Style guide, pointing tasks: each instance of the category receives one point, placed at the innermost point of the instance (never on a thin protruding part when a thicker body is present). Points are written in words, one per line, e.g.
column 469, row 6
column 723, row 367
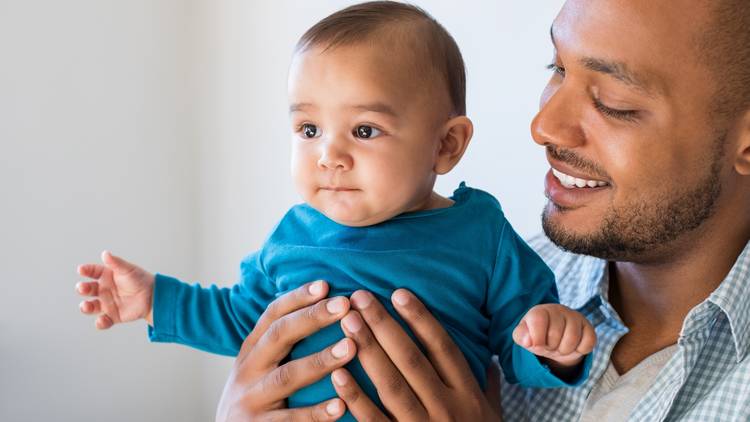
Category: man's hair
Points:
column 725, row 47
column 369, row 21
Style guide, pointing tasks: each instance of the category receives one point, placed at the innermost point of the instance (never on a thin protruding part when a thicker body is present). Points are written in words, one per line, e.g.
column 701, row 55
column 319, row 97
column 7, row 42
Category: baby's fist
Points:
column 557, row 333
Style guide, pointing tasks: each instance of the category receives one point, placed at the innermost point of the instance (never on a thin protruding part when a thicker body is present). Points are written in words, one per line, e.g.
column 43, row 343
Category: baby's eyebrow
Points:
column 377, row 108
column 300, row 107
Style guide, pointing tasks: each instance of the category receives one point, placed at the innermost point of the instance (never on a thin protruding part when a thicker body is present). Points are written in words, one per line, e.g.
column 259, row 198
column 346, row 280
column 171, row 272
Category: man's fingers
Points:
column 88, row 288
column 91, row 270
column 329, row 410
column 395, row 393
column 283, row 333
column 283, row 381
column 297, row 299
column 444, row 354
column 400, row 348
column 90, row 306
column 360, row 406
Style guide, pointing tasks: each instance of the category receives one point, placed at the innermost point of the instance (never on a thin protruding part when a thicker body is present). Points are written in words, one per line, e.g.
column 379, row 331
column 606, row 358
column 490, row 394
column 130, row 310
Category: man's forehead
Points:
column 646, row 44
column 642, row 80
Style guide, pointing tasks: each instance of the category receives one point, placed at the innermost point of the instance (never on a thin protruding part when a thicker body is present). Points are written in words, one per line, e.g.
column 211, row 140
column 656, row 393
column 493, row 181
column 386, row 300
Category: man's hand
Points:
column 121, row 291
column 258, row 385
column 412, row 386
column 556, row 333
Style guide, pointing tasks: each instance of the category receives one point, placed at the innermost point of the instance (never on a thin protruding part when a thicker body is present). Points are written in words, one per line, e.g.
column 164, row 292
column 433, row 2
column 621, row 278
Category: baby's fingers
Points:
column 521, row 335
column 88, row 288
column 103, row 322
column 571, row 338
column 90, row 306
column 588, row 341
column 537, row 320
column 91, row 270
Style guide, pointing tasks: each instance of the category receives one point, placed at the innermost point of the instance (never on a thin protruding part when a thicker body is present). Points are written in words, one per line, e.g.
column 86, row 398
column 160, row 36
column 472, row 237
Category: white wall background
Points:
column 158, row 129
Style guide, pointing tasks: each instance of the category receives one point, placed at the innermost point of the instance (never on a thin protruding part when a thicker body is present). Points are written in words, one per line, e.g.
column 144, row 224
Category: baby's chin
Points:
column 353, row 218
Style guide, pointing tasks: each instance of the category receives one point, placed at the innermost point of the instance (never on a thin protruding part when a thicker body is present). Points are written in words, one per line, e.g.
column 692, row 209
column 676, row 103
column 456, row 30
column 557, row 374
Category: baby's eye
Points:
column 310, row 131
column 367, row 132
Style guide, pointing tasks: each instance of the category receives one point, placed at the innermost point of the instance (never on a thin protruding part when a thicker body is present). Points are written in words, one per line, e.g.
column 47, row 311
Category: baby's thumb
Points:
column 118, row 265
column 521, row 335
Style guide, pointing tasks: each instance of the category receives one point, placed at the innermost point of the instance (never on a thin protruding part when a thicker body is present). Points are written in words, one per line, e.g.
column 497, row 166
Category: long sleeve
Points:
column 213, row 319
column 520, row 281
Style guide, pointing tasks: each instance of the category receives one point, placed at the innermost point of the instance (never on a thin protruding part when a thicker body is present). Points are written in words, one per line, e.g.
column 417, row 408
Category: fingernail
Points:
column 363, row 300
column 335, row 306
column 316, row 288
column 352, row 323
column 340, row 350
column 333, row 408
column 401, row 297
column 339, row 378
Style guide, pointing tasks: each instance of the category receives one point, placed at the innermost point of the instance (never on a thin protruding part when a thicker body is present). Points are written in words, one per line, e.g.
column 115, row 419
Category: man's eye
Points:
column 557, row 69
column 367, row 132
column 624, row 115
column 310, row 131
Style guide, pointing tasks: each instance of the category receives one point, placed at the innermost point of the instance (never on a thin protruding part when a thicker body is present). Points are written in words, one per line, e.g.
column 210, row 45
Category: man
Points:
column 646, row 124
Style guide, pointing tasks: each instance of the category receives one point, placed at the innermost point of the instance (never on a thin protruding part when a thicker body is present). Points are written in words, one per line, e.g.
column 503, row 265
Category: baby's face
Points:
column 366, row 133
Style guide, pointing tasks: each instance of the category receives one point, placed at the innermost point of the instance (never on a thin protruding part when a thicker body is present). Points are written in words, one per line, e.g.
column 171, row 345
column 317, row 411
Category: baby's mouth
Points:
column 337, row 189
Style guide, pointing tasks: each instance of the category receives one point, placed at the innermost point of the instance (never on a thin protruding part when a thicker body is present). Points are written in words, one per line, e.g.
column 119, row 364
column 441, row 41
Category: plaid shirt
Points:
column 707, row 379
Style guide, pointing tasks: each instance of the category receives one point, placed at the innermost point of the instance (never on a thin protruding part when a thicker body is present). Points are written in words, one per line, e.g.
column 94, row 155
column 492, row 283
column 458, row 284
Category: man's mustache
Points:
column 576, row 161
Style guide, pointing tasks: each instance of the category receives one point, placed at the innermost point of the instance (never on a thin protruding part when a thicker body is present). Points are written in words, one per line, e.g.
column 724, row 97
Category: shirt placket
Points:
column 658, row 401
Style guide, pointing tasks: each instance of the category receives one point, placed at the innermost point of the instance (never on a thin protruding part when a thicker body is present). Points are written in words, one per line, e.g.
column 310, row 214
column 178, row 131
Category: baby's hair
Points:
column 367, row 21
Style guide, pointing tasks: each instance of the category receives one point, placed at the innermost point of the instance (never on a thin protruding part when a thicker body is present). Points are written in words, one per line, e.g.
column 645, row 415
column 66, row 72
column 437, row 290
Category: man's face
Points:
column 366, row 133
column 626, row 120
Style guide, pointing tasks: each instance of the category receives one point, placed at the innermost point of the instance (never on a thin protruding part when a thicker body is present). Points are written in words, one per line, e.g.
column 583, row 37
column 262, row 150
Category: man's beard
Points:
column 629, row 232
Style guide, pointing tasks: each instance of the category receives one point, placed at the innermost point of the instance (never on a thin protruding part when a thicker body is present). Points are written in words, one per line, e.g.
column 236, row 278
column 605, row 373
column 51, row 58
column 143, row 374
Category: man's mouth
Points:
column 572, row 182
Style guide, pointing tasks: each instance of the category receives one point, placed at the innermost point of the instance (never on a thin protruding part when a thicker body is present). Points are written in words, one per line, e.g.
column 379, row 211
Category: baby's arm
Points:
column 521, row 281
column 210, row 318
column 558, row 335
column 119, row 291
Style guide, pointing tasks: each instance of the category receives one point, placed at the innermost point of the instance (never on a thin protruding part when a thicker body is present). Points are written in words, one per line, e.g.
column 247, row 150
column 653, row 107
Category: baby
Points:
column 377, row 105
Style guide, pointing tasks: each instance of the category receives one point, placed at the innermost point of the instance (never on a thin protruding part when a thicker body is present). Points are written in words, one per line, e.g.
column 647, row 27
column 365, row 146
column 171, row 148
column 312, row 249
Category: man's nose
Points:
column 559, row 120
column 334, row 155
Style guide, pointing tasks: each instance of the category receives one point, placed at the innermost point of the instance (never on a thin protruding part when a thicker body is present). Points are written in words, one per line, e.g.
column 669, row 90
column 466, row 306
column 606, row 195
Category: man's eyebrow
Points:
column 619, row 71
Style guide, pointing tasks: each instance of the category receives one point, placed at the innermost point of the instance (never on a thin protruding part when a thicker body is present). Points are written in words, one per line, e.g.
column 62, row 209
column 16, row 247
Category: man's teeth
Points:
column 574, row 182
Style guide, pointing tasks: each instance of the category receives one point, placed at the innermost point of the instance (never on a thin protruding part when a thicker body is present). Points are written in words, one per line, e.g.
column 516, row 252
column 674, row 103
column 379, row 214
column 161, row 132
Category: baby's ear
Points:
column 455, row 137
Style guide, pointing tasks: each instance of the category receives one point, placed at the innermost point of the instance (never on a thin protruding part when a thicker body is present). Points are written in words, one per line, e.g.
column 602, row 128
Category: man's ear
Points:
column 455, row 137
column 742, row 160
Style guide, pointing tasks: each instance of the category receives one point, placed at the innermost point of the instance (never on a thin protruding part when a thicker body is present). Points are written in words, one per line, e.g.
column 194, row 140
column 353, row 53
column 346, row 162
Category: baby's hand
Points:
column 556, row 333
column 122, row 291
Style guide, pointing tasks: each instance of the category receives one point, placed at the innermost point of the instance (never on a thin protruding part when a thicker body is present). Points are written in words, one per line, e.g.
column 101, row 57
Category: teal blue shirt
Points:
column 465, row 262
